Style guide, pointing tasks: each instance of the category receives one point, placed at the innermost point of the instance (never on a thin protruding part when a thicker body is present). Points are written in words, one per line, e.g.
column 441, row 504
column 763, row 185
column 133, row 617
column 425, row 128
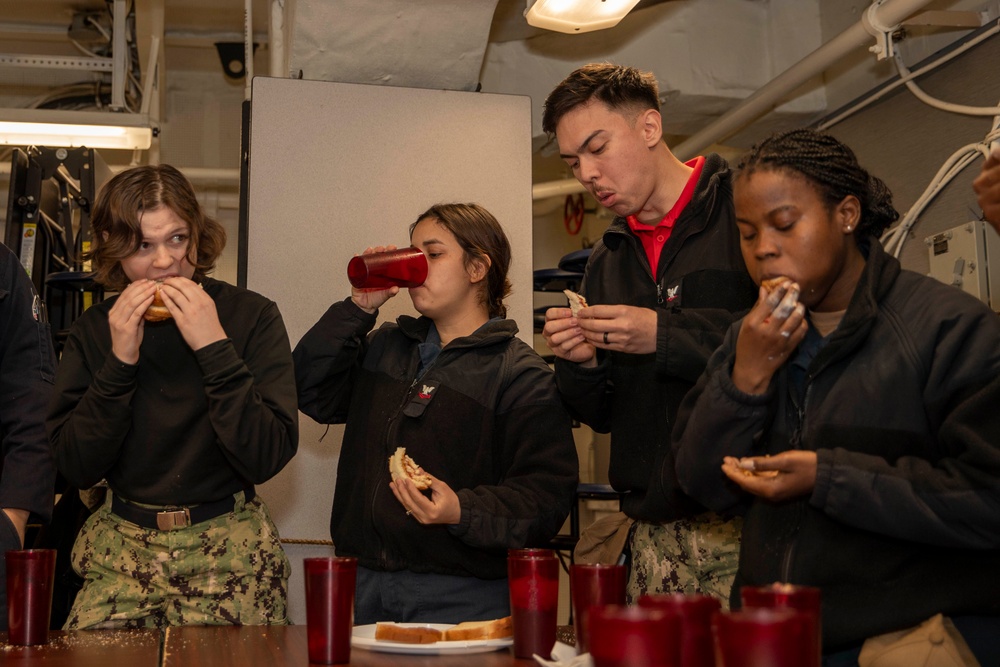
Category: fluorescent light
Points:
column 93, row 129
column 576, row 16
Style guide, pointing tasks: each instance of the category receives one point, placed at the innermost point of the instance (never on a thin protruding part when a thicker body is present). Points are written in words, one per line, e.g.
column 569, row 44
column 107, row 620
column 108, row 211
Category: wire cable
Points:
column 894, row 238
column 847, row 113
column 907, row 78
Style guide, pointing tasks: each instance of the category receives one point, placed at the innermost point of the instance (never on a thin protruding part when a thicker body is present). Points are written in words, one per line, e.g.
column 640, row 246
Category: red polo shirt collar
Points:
column 654, row 238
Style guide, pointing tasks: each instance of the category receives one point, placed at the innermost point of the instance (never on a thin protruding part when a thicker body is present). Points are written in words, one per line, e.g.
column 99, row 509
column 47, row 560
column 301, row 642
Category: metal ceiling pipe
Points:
column 247, row 48
column 567, row 186
column 889, row 13
column 215, row 176
column 276, row 39
column 769, row 96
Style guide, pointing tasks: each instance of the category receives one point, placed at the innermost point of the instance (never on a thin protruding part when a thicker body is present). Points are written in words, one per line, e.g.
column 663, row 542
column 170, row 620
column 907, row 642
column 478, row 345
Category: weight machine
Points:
column 51, row 194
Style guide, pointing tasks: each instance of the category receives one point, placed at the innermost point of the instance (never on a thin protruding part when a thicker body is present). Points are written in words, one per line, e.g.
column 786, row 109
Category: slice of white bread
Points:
column 495, row 629
column 390, row 632
column 576, row 301
column 401, row 465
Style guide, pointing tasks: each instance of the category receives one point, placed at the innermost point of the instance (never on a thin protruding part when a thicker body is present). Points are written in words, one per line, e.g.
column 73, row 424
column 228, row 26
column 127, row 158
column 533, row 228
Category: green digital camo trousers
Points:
column 698, row 555
column 230, row 570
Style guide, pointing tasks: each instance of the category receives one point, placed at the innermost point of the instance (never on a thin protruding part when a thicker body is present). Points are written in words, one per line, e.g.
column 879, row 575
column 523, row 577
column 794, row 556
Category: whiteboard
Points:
column 337, row 167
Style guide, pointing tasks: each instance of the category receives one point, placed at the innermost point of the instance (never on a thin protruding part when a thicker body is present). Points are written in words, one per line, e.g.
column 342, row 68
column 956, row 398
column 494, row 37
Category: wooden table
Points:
column 218, row 646
column 280, row 645
column 87, row 648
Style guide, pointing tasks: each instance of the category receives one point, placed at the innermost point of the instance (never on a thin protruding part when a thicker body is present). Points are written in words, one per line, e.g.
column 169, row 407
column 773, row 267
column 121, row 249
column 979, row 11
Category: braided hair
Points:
column 832, row 168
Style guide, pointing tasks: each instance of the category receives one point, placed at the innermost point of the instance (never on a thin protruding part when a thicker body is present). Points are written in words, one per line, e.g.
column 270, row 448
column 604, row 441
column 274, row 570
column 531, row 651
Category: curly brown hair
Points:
column 117, row 214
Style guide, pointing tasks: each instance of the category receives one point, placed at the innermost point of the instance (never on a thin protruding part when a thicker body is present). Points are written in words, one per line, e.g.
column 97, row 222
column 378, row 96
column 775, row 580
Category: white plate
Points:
column 364, row 638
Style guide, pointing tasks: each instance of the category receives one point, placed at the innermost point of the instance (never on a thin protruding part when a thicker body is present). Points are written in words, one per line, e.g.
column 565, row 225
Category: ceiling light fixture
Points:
column 71, row 129
column 576, row 16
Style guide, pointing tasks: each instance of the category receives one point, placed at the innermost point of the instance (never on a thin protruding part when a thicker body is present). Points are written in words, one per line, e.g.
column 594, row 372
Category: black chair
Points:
column 567, row 541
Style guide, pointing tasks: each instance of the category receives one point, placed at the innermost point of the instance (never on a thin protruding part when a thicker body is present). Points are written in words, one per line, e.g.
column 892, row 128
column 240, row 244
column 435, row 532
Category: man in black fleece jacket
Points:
column 663, row 284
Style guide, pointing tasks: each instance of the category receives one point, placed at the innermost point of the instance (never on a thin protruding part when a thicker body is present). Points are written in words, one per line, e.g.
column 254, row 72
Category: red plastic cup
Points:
column 406, row 267
column 634, row 637
column 533, row 577
column 790, row 596
column 330, row 584
column 695, row 612
column 31, row 575
column 754, row 637
column 593, row 585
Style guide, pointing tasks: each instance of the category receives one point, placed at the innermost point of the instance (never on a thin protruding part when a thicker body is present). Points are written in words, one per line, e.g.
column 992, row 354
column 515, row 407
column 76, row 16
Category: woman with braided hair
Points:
column 852, row 411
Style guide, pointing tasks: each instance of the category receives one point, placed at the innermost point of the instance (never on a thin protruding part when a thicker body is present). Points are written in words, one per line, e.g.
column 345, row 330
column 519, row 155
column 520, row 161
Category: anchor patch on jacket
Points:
column 419, row 403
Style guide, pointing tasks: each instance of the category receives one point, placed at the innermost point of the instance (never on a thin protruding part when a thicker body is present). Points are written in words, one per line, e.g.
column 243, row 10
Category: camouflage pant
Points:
column 230, row 570
column 695, row 555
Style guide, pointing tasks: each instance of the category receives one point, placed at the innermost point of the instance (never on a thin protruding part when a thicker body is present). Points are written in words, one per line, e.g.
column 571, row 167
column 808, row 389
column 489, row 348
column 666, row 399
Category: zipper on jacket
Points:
column 794, row 443
column 659, row 294
column 382, row 555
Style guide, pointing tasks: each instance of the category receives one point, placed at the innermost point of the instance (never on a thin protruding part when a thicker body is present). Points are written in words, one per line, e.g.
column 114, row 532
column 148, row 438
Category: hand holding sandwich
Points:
column 566, row 339
column 629, row 329
column 577, row 332
column 770, row 332
column 442, row 507
column 777, row 478
column 193, row 311
column 126, row 322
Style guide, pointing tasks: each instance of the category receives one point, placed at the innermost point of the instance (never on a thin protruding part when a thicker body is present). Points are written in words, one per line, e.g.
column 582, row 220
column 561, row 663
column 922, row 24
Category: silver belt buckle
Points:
column 170, row 519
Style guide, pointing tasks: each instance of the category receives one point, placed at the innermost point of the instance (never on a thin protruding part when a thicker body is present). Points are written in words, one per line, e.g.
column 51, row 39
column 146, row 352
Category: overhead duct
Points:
column 428, row 44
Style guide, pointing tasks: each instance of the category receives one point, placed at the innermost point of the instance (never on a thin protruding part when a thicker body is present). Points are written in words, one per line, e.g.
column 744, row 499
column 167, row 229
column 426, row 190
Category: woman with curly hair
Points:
column 180, row 417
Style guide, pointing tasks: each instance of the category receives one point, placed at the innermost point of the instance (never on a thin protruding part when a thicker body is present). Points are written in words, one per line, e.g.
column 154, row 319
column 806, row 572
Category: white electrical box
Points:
column 963, row 256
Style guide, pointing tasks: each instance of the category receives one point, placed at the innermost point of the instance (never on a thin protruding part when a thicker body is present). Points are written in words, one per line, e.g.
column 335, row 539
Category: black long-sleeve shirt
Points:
column 178, row 427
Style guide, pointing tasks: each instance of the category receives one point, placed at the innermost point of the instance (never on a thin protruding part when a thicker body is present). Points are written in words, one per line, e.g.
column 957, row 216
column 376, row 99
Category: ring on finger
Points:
column 605, row 337
column 786, row 334
column 409, row 512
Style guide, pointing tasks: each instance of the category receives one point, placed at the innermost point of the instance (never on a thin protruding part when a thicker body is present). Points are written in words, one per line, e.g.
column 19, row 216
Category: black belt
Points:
column 171, row 517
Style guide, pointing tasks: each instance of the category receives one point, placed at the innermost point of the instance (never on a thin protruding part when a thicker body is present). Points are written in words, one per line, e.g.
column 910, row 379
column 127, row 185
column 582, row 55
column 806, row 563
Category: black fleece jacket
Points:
column 902, row 407
column 701, row 286
column 27, row 470
column 484, row 417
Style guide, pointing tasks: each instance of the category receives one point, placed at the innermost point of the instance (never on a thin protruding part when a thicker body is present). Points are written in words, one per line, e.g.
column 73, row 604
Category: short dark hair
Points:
column 621, row 88
column 115, row 222
column 481, row 236
column 832, row 167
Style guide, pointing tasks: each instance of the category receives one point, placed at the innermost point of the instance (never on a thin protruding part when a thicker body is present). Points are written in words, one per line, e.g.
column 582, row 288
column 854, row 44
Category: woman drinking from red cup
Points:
column 405, row 267
column 474, row 407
